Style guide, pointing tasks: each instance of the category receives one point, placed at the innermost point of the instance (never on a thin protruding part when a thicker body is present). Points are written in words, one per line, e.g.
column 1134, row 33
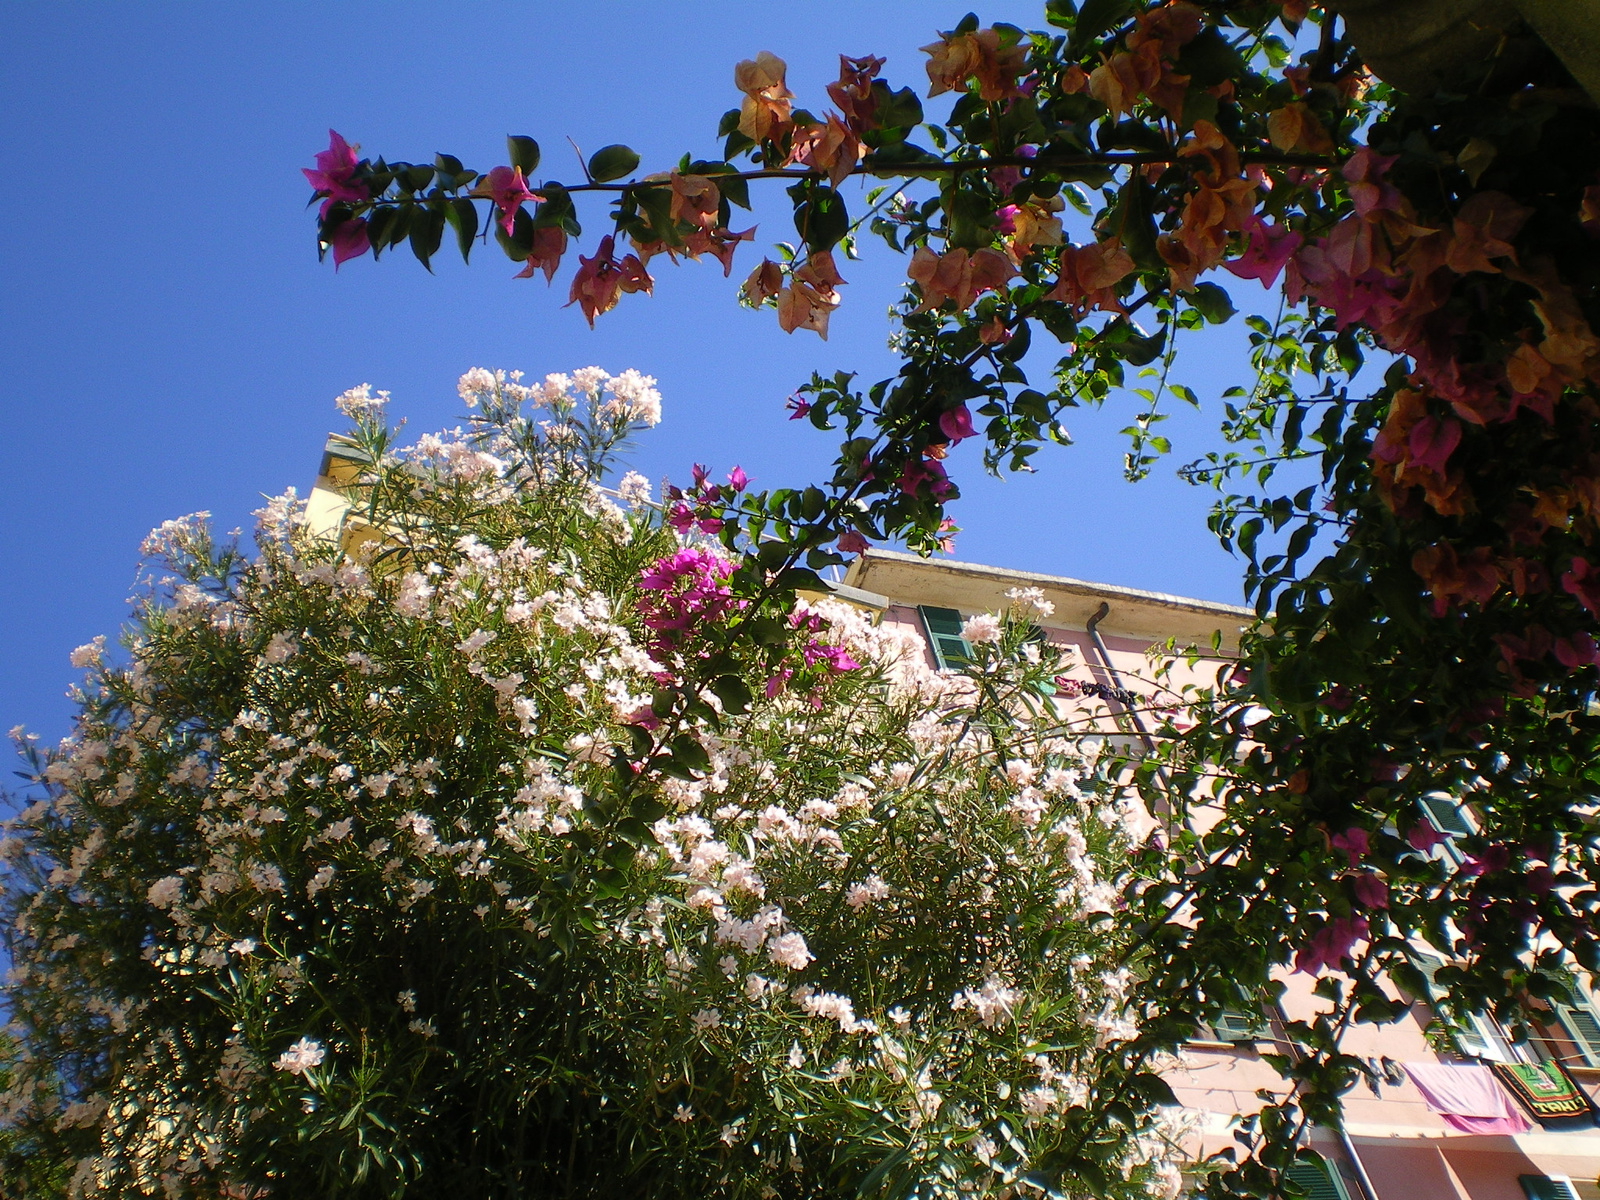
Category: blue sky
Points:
column 169, row 342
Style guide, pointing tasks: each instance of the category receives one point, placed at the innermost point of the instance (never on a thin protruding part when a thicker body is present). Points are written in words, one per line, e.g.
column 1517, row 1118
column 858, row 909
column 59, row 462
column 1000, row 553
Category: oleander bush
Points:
column 376, row 867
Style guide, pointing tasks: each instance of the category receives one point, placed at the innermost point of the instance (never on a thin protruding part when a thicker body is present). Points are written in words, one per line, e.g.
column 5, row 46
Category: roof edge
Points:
column 1104, row 590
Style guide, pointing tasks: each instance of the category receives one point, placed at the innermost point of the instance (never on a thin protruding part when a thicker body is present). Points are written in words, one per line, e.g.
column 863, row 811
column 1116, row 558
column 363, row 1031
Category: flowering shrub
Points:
column 376, row 867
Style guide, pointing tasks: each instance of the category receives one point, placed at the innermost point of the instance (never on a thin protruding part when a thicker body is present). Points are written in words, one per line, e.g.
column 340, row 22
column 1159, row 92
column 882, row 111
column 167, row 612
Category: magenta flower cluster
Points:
column 700, row 506
column 691, row 587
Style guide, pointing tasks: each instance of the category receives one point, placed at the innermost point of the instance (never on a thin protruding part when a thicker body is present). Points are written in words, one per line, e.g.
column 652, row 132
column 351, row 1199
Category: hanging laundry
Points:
column 1468, row 1097
column 1545, row 1089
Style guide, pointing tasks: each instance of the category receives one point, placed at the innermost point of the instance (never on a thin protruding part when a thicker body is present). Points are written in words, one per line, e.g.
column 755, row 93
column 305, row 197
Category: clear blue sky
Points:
column 169, row 342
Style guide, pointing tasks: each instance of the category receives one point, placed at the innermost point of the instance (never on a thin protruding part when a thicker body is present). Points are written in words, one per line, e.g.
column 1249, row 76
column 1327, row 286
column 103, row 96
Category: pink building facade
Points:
column 1398, row 1141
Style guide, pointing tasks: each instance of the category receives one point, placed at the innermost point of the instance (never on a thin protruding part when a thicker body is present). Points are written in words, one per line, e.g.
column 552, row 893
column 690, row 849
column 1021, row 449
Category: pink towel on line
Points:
column 1468, row 1097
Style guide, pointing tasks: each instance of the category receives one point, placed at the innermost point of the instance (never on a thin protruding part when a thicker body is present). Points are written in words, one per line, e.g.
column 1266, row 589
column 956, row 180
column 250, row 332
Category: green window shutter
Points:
column 1548, row 1187
column 1235, row 1025
column 1317, row 1181
column 1475, row 1036
column 1582, row 1026
column 943, row 627
column 1444, row 814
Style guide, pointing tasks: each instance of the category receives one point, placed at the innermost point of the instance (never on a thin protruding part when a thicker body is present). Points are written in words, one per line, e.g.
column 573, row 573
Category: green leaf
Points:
column 1127, row 343
column 735, row 189
column 612, row 162
column 689, row 753
column 643, row 743
column 1063, row 14
column 1059, row 320
column 1094, row 18
column 769, row 631
column 733, row 693
column 427, row 230
column 1131, row 135
column 1213, row 302
column 378, row 225
column 520, row 244
column 1199, row 106
column 1209, row 59
column 802, row 580
column 400, row 226
column 463, row 217
column 1153, row 1088
column 1132, row 222
column 811, row 503
column 819, row 215
column 524, row 153
column 897, row 109
column 557, row 210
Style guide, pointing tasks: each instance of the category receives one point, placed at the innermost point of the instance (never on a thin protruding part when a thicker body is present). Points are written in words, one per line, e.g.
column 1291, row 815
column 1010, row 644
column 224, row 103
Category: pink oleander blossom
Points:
column 301, row 1057
column 790, row 950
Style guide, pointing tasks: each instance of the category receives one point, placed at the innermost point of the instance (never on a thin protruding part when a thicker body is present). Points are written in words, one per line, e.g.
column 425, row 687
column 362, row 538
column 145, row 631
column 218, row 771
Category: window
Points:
column 1446, row 814
column 943, row 627
column 1476, row 1035
column 1238, row 1027
column 1579, row 1021
column 1319, row 1181
column 1548, row 1187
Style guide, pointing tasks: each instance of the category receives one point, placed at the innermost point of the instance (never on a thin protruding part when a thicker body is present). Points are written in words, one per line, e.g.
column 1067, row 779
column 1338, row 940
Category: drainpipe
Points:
column 1104, row 656
column 1362, row 1178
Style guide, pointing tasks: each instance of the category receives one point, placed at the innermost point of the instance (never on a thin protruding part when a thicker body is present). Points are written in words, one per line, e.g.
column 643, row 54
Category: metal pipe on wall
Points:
column 1104, row 655
column 1362, row 1178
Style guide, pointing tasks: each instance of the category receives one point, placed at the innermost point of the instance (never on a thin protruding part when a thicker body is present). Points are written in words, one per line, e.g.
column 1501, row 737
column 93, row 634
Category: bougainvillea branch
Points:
column 1429, row 582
